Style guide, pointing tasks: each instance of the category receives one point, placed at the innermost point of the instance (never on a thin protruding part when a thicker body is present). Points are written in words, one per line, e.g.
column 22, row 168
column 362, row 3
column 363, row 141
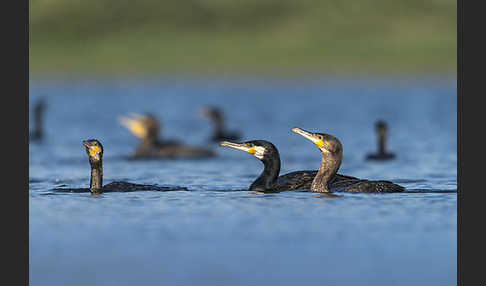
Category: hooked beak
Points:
column 134, row 124
column 308, row 135
column 239, row 146
column 86, row 144
column 304, row 133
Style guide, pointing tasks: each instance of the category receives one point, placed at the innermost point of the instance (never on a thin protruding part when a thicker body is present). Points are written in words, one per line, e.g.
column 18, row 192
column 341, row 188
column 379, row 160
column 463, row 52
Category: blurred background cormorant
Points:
column 147, row 128
column 382, row 154
column 216, row 117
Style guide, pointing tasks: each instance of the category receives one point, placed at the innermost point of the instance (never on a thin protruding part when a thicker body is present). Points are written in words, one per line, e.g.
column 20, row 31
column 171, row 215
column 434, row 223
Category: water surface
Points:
column 213, row 235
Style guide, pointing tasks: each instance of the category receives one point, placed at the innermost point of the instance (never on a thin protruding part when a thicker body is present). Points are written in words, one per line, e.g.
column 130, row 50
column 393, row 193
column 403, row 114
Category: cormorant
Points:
column 94, row 149
column 269, row 180
column 332, row 154
column 382, row 154
column 37, row 134
column 215, row 115
column 147, row 128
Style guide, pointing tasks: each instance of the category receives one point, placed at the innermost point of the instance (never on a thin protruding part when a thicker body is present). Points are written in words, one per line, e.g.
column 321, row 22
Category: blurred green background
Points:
column 147, row 36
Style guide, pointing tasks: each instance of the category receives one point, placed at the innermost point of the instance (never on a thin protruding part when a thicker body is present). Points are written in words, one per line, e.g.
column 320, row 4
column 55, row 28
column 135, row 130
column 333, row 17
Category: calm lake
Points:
column 215, row 235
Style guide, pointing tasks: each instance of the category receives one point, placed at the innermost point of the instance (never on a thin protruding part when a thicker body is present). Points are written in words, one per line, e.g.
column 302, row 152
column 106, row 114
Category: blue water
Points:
column 212, row 235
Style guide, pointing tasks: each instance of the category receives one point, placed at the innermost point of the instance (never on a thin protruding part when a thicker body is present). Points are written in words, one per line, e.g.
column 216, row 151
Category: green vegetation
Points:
column 229, row 35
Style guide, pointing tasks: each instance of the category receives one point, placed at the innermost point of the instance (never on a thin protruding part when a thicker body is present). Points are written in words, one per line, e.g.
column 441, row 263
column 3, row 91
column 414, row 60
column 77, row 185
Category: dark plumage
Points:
column 147, row 128
column 215, row 115
column 269, row 180
column 382, row 153
column 332, row 154
column 94, row 149
column 37, row 134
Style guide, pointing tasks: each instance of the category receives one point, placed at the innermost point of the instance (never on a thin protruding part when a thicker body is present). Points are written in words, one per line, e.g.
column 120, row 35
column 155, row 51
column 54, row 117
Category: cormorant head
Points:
column 142, row 126
column 259, row 148
column 381, row 127
column 212, row 113
column 325, row 142
column 94, row 149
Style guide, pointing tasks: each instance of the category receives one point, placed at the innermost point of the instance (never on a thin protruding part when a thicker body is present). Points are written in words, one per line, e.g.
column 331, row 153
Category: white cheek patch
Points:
column 260, row 152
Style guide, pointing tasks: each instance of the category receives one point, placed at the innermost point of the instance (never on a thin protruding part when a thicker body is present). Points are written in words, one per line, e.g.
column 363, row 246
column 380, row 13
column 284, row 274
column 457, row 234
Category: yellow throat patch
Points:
column 93, row 150
column 252, row 150
column 319, row 143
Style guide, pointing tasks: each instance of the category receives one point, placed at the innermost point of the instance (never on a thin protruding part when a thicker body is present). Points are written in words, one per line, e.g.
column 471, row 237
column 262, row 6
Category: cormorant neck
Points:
column 381, row 143
column 329, row 166
column 268, row 177
column 96, row 181
column 37, row 132
column 218, row 127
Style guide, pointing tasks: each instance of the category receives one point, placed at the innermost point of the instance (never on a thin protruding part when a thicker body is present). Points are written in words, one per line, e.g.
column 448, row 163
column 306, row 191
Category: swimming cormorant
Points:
column 147, row 128
column 37, row 134
column 382, row 154
column 269, row 180
column 215, row 115
column 332, row 154
column 94, row 149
